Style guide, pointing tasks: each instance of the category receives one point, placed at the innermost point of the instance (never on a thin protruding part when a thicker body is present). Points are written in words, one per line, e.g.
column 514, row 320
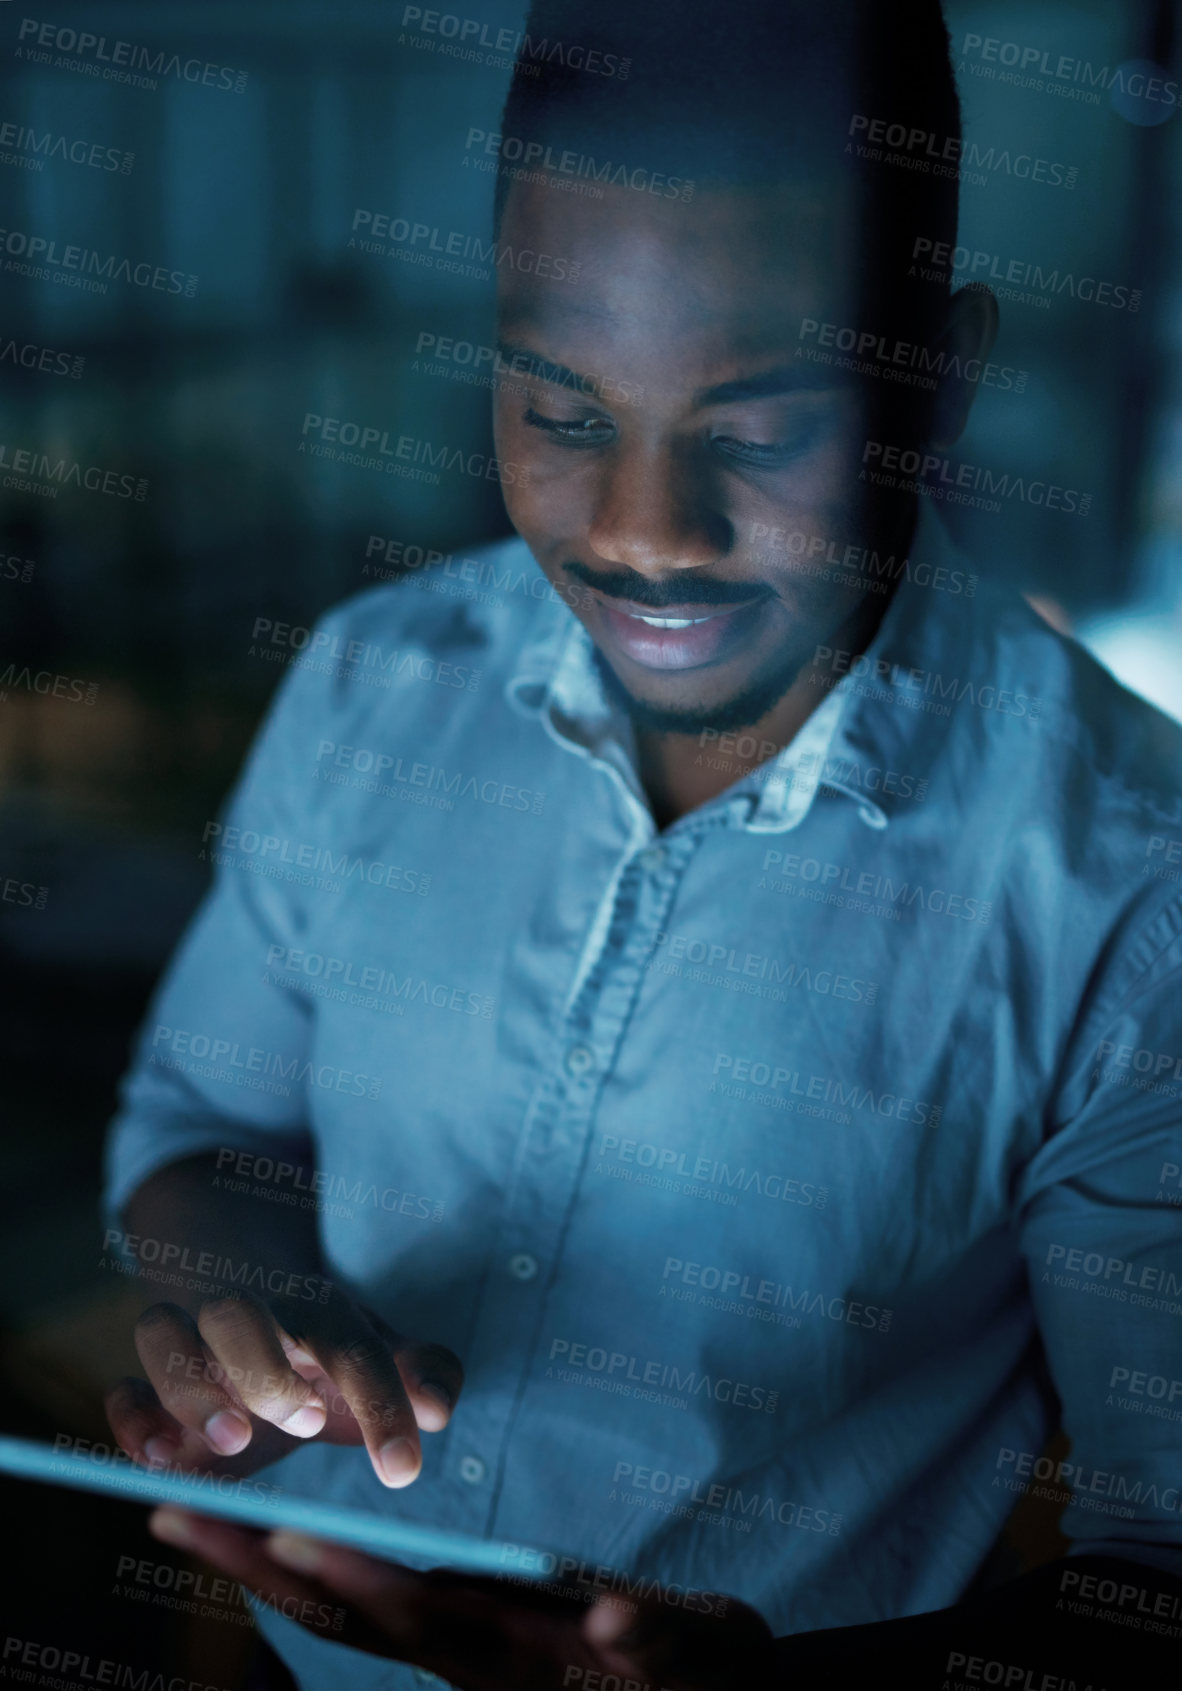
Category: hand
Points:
column 484, row 1634
column 249, row 1379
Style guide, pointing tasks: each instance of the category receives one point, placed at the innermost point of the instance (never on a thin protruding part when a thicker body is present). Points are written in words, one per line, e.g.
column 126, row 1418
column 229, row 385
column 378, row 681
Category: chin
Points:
column 744, row 704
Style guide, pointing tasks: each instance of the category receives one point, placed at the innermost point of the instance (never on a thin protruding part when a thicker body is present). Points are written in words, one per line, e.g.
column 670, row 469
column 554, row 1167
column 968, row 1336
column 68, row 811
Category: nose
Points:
column 653, row 514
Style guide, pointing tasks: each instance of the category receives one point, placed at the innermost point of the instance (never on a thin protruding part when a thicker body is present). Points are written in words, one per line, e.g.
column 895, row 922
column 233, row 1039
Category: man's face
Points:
column 703, row 428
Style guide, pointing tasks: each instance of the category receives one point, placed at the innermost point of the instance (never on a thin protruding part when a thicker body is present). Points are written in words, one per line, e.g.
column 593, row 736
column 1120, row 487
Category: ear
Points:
column 970, row 329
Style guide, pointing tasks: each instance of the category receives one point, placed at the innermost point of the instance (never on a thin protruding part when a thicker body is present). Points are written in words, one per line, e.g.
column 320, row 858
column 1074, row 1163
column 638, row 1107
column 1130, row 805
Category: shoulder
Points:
column 1107, row 754
column 437, row 643
column 461, row 620
column 1084, row 808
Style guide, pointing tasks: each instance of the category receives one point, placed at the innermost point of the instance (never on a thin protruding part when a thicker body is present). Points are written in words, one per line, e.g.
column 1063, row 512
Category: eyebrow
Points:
column 560, row 375
column 801, row 377
column 769, row 384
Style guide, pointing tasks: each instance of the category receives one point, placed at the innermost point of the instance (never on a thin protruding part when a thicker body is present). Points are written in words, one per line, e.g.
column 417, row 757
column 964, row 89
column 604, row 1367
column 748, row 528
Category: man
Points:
column 735, row 1118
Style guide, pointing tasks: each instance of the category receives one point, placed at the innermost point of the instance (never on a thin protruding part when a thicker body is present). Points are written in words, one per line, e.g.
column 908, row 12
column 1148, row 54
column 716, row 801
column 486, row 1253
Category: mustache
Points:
column 680, row 589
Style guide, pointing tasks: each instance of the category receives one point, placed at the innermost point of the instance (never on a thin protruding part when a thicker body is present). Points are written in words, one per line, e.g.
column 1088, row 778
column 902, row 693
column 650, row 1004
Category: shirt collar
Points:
column 893, row 720
column 871, row 739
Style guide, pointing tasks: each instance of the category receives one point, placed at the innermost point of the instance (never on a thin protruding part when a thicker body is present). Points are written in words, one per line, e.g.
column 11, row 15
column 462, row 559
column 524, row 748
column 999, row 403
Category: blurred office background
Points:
column 254, row 191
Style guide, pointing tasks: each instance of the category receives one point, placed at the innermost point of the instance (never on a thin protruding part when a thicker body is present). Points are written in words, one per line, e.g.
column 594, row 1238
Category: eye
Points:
column 769, row 456
column 583, row 431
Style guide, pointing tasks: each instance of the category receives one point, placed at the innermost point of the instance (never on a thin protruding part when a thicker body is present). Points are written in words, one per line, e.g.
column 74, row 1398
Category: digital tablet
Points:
column 254, row 1503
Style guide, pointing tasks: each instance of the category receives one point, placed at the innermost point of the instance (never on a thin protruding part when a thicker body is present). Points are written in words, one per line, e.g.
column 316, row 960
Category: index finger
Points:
column 357, row 1360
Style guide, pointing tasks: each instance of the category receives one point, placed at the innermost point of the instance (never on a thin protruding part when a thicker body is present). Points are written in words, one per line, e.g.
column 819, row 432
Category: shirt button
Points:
column 579, row 1059
column 523, row 1266
column 472, row 1469
column 652, row 859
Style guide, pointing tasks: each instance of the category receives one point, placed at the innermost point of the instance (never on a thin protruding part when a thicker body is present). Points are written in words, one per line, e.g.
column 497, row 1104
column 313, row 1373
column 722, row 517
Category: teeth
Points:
column 673, row 622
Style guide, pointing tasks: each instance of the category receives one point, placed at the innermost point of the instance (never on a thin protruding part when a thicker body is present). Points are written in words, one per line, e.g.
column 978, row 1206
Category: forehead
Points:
column 734, row 269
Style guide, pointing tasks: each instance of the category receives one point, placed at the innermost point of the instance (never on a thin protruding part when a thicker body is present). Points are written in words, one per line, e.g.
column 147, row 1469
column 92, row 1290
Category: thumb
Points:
column 719, row 1649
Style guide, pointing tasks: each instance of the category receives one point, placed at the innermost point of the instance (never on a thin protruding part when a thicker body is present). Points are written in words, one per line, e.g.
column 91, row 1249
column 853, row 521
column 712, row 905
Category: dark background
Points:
column 254, row 191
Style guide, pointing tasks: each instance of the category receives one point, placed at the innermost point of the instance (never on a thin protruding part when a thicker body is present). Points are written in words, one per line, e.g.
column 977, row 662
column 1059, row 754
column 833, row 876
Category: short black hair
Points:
column 721, row 92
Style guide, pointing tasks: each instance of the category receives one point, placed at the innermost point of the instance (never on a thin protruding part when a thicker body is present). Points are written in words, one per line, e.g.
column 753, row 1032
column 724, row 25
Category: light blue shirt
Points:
column 777, row 1175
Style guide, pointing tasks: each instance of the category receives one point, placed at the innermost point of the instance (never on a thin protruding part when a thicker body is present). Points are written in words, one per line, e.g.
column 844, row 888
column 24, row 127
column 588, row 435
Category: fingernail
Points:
column 161, row 1451
column 294, row 1551
column 440, row 1394
column 227, row 1432
column 308, row 1419
column 170, row 1525
column 399, row 1462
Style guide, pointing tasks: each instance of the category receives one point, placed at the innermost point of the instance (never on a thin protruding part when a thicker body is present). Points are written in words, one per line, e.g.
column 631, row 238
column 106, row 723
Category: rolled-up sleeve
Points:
column 1101, row 1220
column 221, row 1031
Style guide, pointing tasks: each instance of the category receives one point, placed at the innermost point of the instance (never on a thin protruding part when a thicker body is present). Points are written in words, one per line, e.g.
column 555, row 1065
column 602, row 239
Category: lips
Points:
column 676, row 636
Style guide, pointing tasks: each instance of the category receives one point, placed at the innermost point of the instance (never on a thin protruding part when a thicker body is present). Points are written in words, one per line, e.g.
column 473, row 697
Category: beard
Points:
column 741, row 710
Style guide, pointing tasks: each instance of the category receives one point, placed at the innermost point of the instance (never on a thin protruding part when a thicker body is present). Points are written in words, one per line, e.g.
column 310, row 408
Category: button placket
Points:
column 558, row 1132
